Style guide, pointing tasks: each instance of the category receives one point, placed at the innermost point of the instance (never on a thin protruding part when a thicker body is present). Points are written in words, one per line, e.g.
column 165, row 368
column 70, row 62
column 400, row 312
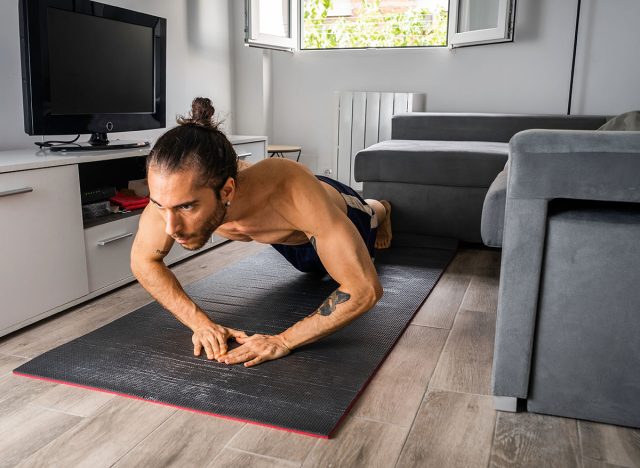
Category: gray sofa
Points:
column 568, row 203
column 568, row 324
column 438, row 167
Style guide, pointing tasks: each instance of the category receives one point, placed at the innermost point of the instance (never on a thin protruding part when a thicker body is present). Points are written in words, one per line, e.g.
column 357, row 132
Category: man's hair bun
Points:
column 201, row 114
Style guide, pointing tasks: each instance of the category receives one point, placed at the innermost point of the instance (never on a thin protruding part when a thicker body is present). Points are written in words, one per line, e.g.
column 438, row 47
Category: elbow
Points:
column 135, row 267
column 138, row 266
column 379, row 292
column 373, row 295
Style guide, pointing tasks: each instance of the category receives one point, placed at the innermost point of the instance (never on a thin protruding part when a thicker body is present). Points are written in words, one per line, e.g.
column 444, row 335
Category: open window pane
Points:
column 274, row 17
column 271, row 23
column 480, row 21
column 474, row 15
column 345, row 24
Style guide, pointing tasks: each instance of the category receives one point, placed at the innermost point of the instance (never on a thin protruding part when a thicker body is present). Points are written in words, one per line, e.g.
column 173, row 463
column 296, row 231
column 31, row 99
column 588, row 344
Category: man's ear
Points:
column 228, row 189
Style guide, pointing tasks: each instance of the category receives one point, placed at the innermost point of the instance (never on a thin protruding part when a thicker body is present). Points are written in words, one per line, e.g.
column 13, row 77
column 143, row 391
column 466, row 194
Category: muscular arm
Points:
column 150, row 246
column 308, row 208
column 342, row 306
column 346, row 259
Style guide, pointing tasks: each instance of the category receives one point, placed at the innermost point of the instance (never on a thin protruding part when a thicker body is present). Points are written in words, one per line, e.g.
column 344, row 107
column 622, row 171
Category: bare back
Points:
column 268, row 199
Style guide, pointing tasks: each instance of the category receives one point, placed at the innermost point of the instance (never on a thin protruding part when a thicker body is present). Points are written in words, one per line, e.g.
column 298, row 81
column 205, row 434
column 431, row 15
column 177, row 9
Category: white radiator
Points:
column 364, row 118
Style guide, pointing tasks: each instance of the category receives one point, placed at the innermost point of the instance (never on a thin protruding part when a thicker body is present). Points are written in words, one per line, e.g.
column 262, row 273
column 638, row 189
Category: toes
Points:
column 382, row 243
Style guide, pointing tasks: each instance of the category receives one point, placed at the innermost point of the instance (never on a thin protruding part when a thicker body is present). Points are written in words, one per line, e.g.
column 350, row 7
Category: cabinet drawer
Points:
column 251, row 152
column 42, row 250
column 109, row 251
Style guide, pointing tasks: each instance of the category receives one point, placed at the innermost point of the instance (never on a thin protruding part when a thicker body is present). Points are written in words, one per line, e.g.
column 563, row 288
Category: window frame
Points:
column 504, row 31
column 254, row 38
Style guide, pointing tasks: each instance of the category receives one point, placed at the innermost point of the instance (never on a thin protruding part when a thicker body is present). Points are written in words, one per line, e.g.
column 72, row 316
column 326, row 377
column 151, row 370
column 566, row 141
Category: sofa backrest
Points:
column 482, row 127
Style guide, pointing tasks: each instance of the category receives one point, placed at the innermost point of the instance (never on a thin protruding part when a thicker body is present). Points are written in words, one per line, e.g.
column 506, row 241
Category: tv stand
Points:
column 98, row 139
column 100, row 142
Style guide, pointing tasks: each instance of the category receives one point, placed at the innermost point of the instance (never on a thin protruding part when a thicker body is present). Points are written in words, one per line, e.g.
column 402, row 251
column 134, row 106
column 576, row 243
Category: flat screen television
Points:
column 91, row 68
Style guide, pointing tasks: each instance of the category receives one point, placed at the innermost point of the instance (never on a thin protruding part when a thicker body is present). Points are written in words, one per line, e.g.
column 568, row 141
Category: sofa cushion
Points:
column 482, row 127
column 451, row 163
column 629, row 121
column 492, row 222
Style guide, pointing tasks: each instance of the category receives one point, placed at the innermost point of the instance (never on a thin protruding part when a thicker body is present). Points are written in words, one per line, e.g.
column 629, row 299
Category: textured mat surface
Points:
column 148, row 354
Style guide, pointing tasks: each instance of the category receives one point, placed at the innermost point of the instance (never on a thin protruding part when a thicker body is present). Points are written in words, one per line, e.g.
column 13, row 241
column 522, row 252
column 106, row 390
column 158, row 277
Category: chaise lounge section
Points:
column 438, row 167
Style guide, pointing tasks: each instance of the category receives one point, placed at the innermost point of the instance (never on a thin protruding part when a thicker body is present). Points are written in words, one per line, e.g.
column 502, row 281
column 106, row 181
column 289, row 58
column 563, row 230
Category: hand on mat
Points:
column 213, row 338
column 255, row 349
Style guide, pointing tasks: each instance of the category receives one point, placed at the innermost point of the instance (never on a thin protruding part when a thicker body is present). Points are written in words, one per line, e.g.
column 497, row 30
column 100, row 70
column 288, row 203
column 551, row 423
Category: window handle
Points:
column 244, row 155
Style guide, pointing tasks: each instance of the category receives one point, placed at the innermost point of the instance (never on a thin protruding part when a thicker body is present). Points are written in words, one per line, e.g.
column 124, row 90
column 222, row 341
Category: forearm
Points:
column 337, row 311
column 162, row 284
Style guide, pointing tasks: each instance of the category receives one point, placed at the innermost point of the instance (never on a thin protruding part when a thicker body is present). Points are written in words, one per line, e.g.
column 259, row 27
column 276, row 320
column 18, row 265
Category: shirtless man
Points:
column 318, row 225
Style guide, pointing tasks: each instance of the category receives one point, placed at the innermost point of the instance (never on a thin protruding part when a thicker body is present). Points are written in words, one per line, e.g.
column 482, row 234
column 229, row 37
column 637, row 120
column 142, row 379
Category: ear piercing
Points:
column 227, row 203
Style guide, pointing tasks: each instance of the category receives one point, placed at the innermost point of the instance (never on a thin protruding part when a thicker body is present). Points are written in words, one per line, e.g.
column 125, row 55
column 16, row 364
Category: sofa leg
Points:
column 504, row 403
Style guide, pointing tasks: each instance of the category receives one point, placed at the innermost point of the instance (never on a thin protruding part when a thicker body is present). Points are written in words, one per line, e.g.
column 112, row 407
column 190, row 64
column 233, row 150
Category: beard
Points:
column 197, row 239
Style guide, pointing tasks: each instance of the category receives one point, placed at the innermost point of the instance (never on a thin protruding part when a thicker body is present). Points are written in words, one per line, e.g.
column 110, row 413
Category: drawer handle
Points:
column 113, row 239
column 7, row 193
column 244, row 155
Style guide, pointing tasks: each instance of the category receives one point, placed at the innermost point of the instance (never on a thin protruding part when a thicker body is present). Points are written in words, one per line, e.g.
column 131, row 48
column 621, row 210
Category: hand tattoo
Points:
column 329, row 305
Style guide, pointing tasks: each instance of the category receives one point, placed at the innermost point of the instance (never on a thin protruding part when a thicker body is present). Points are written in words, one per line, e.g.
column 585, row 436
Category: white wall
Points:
column 608, row 59
column 198, row 63
column 252, row 80
column 530, row 75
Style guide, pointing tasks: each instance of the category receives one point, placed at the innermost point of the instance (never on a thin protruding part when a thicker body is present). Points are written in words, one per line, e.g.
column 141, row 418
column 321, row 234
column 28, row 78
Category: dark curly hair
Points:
column 197, row 143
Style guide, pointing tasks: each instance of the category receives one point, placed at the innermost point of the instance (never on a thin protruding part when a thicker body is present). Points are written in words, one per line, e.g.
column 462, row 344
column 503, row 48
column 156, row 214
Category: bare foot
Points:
column 383, row 236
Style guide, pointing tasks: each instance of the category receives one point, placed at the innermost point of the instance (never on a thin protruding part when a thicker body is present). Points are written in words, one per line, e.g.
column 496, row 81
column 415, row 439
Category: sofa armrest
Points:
column 544, row 165
column 482, row 127
column 586, row 165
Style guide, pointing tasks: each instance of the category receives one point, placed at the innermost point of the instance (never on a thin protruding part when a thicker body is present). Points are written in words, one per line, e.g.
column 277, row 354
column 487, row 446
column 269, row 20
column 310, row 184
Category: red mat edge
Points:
column 221, row 416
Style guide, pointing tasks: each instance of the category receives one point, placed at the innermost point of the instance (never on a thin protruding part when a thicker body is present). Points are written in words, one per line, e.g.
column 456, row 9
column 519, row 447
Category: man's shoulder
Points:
column 282, row 172
column 282, row 164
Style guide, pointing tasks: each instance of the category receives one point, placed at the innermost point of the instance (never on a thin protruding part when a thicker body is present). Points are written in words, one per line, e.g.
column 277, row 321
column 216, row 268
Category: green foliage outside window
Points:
column 372, row 28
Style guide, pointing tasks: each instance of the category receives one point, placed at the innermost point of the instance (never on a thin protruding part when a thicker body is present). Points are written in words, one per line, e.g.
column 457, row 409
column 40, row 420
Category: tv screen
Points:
column 119, row 80
column 91, row 68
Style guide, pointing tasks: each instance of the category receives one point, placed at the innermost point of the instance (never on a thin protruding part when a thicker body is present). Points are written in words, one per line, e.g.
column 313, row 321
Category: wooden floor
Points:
column 427, row 406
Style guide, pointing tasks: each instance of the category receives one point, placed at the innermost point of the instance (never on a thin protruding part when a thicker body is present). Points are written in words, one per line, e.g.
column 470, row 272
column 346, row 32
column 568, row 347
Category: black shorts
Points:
column 305, row 258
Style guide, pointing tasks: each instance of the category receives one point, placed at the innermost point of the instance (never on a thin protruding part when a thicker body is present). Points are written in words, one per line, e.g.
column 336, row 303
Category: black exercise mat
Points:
column 148, row 354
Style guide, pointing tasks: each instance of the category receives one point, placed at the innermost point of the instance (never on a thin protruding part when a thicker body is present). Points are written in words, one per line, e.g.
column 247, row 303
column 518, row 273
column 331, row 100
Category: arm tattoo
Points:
column 313, row 243
column 329, row 305
column 162, row 252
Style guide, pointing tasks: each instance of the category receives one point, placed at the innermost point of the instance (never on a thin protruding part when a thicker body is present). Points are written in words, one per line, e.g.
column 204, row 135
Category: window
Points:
column 271, row 23
column 347, row 24
column 481, row 22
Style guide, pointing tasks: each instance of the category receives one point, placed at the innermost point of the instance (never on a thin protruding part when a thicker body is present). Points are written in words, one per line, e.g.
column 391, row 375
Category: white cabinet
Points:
column 251, row 152
column 42, row 248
